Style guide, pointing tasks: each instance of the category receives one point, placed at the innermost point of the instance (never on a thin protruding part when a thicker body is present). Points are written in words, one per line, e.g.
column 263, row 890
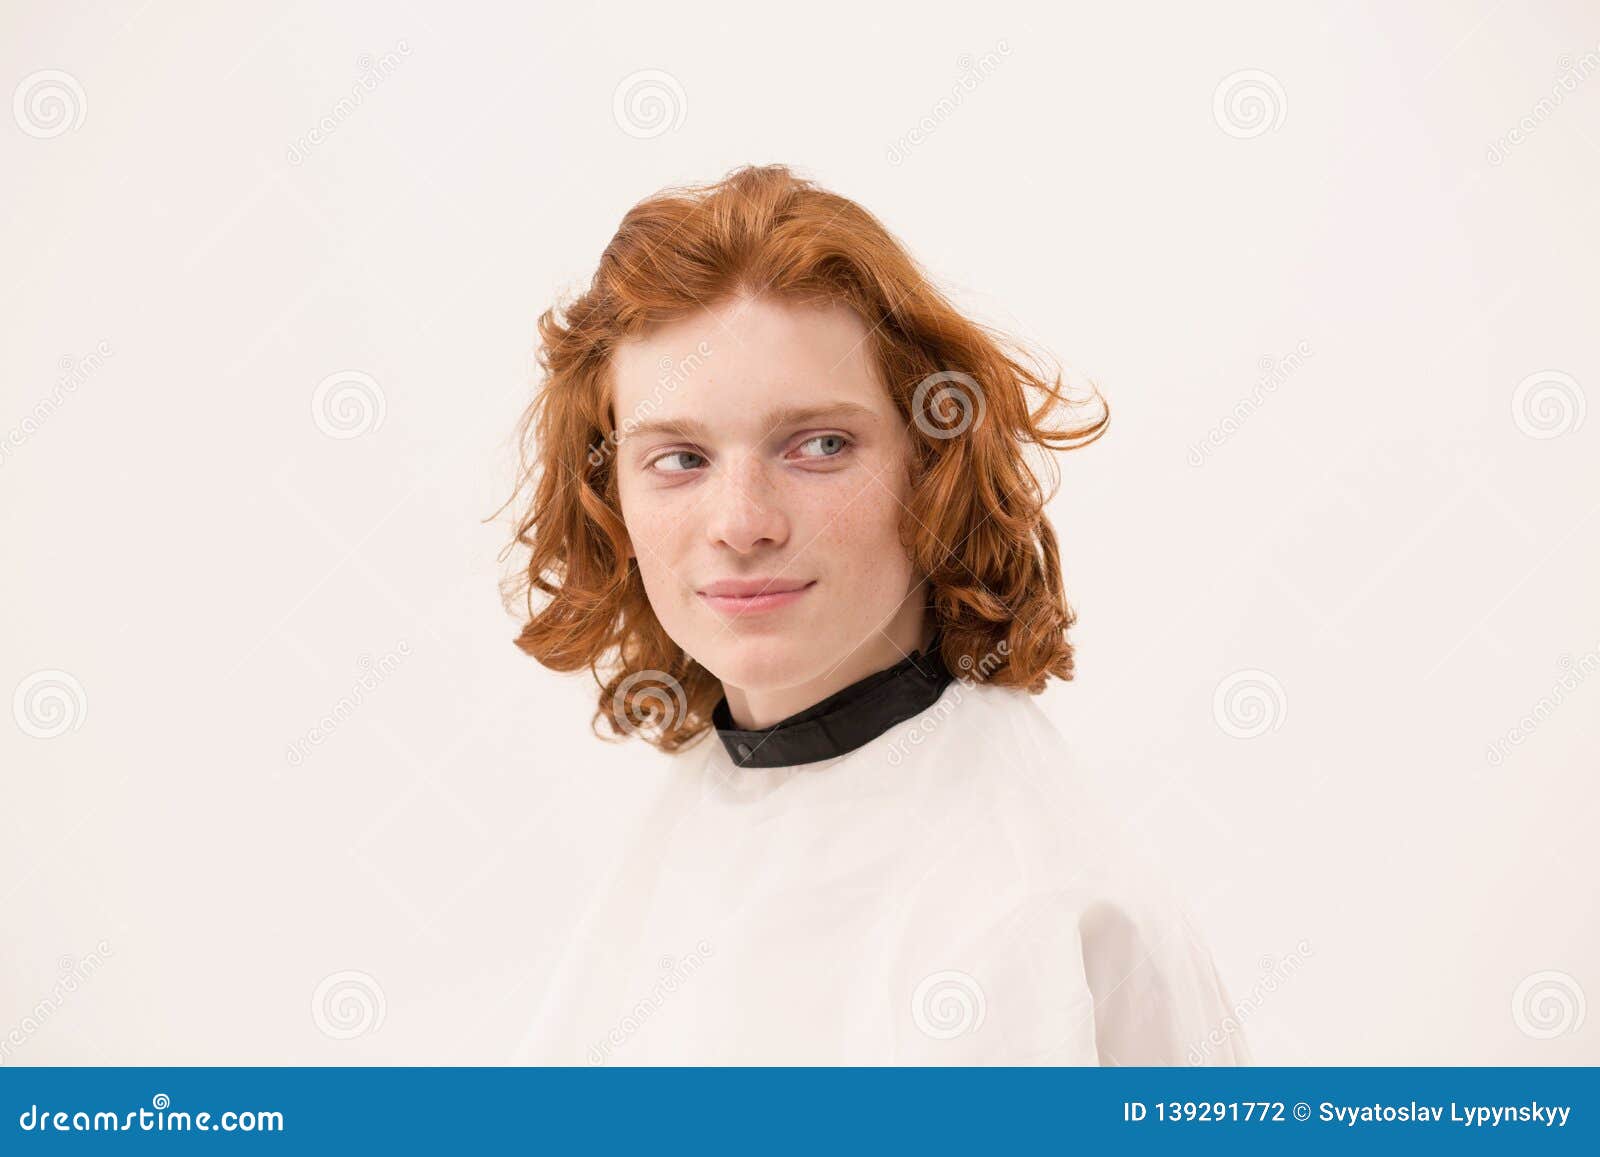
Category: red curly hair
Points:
column 975, row 526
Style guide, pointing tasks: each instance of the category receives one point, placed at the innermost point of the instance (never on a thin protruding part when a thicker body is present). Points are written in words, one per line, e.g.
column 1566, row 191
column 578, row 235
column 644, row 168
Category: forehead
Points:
column 744, row 351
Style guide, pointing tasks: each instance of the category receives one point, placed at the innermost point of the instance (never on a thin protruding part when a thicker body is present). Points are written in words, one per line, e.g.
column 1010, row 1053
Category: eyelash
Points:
column 814, row 438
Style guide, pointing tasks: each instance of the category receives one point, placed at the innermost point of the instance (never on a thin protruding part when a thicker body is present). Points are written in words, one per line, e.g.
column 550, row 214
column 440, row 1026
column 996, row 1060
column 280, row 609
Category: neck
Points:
column 754, row 709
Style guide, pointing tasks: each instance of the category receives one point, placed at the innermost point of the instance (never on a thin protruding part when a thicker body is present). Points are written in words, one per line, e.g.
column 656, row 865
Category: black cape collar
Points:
column 844, row 720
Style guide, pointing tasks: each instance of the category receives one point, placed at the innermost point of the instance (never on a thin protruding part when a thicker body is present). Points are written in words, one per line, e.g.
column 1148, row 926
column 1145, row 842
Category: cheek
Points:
column 650, row 531
column 862, row 538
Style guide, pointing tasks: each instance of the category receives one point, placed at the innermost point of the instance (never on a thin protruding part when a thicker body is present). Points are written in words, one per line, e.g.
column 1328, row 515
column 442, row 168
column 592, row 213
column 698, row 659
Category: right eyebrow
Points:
column 680, row 427
column 782, row 416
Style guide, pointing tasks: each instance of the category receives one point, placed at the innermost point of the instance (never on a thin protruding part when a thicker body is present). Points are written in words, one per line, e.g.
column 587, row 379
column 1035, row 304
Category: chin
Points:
column 765, row 660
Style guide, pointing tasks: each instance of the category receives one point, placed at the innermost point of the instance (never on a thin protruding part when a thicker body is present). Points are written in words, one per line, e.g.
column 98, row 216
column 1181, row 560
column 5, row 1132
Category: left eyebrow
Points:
column 799, row 415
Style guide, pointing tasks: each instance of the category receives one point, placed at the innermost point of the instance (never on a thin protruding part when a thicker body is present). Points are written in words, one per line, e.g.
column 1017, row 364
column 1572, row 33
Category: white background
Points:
column 1387, row 536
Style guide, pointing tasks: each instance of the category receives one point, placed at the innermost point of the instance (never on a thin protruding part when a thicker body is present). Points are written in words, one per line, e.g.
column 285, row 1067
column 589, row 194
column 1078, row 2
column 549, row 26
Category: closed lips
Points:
column 751, row 588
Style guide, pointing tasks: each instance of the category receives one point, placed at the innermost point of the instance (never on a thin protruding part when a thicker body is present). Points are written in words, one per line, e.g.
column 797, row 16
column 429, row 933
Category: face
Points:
column 762, row 471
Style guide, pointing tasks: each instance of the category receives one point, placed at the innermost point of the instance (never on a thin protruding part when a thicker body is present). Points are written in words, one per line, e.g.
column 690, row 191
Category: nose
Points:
column 746, row 508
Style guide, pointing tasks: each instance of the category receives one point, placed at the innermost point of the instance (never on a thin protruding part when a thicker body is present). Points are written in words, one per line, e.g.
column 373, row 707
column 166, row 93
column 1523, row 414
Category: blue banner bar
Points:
column 809, row 1110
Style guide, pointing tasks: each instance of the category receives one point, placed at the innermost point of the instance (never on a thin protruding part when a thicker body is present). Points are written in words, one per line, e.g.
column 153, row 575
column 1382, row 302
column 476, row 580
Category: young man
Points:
column 781, row 505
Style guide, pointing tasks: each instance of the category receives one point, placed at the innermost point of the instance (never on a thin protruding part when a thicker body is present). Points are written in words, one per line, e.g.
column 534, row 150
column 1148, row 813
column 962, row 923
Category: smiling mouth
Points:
column 769, row 600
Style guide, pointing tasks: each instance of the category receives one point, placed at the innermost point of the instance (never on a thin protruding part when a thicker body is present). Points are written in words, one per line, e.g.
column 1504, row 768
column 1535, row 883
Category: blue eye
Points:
column 656, row 464
column 829, row 438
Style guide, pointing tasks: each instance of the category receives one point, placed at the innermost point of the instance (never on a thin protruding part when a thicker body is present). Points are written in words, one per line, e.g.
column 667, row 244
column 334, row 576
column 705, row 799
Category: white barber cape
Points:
column 942, row 894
